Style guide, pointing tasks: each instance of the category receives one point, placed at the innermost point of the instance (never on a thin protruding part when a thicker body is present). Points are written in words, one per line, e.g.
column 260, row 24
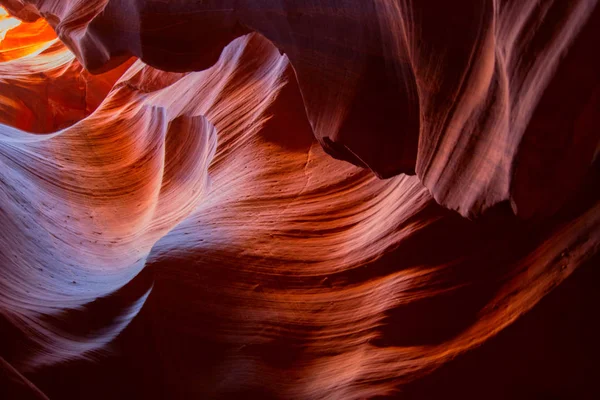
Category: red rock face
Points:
column 242, row 198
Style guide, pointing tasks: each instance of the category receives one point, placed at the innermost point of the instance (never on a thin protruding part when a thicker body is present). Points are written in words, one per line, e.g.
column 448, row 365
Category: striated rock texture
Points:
column 451, row 92
column 173, row 191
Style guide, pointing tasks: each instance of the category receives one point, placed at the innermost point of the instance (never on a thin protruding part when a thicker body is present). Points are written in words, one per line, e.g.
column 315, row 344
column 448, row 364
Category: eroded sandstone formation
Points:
column 182, row 165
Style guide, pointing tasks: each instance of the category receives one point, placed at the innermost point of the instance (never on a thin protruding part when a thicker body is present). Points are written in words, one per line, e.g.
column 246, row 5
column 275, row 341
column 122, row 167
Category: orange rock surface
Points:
column 294, row 199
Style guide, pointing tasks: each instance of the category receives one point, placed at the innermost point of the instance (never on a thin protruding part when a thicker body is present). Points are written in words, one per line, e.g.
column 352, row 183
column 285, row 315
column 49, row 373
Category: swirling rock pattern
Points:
column 184, row 186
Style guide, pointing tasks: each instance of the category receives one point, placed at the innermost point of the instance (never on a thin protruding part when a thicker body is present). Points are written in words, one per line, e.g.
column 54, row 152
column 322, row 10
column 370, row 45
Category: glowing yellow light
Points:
column 6, row 23
column 20, row 39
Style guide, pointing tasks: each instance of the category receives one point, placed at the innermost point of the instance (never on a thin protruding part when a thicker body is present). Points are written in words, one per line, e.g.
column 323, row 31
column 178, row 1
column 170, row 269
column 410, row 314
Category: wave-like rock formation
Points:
column 260, row 197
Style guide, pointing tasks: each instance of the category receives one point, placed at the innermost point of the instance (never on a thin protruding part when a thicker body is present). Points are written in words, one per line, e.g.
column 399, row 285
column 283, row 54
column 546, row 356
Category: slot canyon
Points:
column 299, row 199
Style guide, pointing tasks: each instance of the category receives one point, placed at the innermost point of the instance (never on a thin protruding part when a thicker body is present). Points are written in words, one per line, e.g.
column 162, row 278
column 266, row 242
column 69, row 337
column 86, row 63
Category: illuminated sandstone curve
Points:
column 198, row 208
column 461, row 95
